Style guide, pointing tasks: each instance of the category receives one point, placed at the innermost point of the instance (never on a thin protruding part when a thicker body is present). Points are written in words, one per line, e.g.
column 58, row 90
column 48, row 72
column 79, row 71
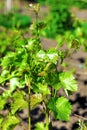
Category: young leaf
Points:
column 35, row 99
column 31, row 43
column 43, row 88
column 53, row 55
column 68, row 82
column 41, row 55
column 3, row 101
column 10, row 122
column 8, row 60
column 41, row 126
column 19, row 103
column 49, row 56
column 6, row 94
column 13, row 84
column 1, row 120
column 4, row 73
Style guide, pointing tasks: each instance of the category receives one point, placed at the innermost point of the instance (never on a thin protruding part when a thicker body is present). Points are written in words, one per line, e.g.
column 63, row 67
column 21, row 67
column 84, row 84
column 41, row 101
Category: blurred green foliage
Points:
column 60, row 18
column 82, row 125
column 14, row 20
column 9, row 39
column 78, row 3
column 63, row 25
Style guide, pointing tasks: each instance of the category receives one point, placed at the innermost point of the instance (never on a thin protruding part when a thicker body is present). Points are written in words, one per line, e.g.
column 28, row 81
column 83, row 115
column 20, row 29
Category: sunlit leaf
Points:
column 1, row 120
column 68, row 81
column 3, row 101
column 64, row 108
column 19, row 102
column 43, row 88
column 41, row 126
column 51, row 56
column 10, row 122
column 60, row 107
column 31, row 43
column 13, row 84
column 35, row 99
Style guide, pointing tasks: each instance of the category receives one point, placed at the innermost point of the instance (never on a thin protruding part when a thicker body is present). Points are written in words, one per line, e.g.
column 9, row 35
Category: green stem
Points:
column 37, row 35
column 3, row 89
column 47, row 119
column 29, row 113
column 7, row 79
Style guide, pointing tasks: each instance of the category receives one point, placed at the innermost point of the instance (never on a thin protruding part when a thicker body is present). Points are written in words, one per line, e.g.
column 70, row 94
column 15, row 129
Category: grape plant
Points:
column 30, row 67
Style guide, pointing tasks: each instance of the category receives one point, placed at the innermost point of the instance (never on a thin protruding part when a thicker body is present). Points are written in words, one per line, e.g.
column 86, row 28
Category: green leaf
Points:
column 30, row 45
column 13, row 84
column 60, row 107
column 41, row 126
column 52, row 105
column 68, row 81
column 3, row 101
column 10, row 122
column 43, row 88
column 82, row 125
column 49, row 56
column 6, row 94
column 41, row 55
column 55, row 81
column 57, row 86
column 8, row 60
column 19, row 102
column 64, row 109
column 4, row 73
column 53, row 55
column 1, row 120
column 35, row 99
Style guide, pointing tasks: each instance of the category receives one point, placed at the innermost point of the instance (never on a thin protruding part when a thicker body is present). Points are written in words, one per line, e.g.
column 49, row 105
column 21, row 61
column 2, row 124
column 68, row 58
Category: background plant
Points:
column 81, row 3
column 58, row 19
column 10, row 39
column 82, row 125
column 13, row 19
column 60, row 15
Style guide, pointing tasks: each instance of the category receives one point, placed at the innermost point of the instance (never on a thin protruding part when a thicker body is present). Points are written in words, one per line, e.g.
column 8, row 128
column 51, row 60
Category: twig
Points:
column 78, row 116
column 81, row 73
column 23, row 127
column 2, row 88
